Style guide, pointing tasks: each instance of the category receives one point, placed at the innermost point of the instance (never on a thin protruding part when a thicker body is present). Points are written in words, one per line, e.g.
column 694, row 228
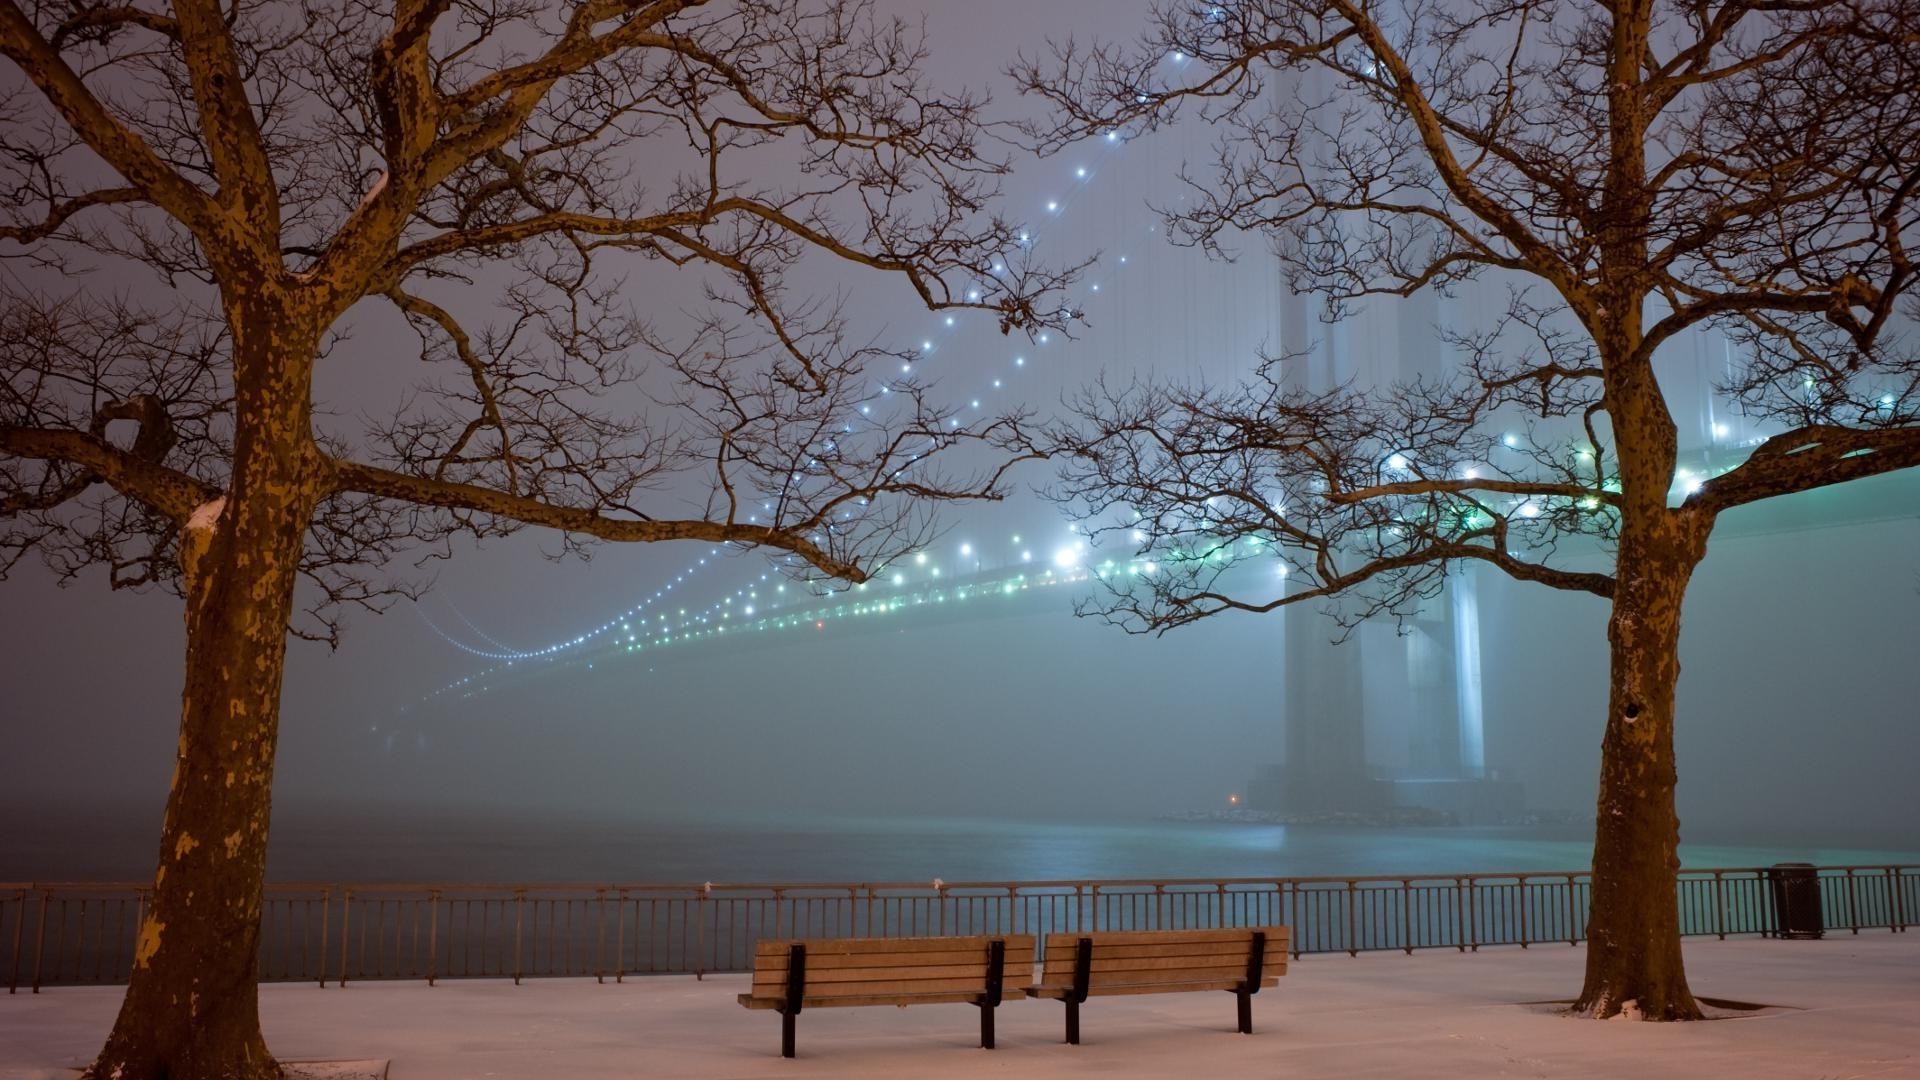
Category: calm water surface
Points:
column 414, row 846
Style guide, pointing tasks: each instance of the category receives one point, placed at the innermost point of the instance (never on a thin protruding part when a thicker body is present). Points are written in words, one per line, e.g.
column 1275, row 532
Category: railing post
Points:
column 1291, row 914
column 1521, row 889
column 519, row 906
column 620, row 937
column 700, row 935
column 346, row 933
column 1406, row 914
column 1353, row 942
column 1899, row 908
column 1473, row 911
column 19, row 924
column 326, row 912
column 1573, row 916
column 1720, row 904
column 40, row 937
column 433, row 932
column 600, row 934
column 1853, row 911
column 1460, row 913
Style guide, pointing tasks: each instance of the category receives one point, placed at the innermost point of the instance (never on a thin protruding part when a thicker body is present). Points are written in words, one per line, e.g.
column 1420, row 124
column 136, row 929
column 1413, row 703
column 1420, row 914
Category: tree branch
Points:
column 1805, row 459
column 169, row 491
column 387, row 484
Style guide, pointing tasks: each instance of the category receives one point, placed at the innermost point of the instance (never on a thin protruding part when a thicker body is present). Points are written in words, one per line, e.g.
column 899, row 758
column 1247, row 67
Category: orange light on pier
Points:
column 1233, row 799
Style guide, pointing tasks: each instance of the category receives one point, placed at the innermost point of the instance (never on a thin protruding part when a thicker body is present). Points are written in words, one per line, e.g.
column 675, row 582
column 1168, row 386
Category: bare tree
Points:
column 206, row 203
column 1631, row 171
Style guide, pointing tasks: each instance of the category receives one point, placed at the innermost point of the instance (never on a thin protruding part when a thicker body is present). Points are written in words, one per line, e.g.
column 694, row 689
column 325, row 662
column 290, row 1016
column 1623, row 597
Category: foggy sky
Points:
column 1798, row 700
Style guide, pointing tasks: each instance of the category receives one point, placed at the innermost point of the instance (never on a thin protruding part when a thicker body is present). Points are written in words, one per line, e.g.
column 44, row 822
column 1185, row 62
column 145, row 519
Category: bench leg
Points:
column 786, row 1034
column 1073, row 1022
column 986, row 1026
column 1246, row 1011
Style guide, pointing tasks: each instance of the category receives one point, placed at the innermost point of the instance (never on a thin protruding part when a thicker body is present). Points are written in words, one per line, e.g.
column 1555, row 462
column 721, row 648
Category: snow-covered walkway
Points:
column 1846, row 1007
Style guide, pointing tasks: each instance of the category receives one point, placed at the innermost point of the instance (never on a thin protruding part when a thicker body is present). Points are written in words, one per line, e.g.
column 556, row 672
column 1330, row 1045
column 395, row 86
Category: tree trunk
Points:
column 191, row 1009
column 1633, row 929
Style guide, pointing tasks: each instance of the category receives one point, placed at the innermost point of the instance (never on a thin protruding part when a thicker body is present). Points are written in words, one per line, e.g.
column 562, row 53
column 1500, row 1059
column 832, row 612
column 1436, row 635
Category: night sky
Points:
column 1797, row 704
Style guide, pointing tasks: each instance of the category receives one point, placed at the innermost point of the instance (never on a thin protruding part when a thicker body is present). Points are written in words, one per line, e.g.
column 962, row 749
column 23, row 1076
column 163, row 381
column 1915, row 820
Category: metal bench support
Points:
column 796, row 994
column 1255, row 961
column 1082, row 974
column 996, row 970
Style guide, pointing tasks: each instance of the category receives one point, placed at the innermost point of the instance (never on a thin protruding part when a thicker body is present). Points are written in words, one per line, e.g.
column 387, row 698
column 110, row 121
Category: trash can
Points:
column 1796, row 900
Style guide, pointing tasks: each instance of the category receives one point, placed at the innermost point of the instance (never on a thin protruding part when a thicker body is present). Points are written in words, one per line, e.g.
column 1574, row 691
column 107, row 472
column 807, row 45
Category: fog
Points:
column 1801, row 648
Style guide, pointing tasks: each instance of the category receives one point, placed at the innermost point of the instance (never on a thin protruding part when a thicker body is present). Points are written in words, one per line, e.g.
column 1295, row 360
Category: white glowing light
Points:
column 1397, row 462
column 1026, row 556
column 920, row 559
column 1510, row 440
column 1081, row 172
column 949, row 320
column 1052, row 207
column 1019, row 361
column 1720, row 431
column 966, row 549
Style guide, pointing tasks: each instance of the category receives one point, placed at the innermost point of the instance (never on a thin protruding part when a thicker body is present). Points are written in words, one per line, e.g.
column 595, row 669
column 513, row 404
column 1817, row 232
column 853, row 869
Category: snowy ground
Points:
column 1847, row 1007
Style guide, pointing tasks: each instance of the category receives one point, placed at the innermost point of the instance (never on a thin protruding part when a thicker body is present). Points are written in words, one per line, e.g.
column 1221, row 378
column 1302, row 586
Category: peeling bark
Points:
column 191, row 1009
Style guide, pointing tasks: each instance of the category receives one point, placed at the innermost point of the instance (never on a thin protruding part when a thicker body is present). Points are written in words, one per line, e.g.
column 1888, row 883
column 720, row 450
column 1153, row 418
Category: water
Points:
column 418, row 846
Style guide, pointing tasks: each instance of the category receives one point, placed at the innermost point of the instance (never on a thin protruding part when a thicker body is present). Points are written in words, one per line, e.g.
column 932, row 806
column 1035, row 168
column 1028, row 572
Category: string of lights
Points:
column 622, row 622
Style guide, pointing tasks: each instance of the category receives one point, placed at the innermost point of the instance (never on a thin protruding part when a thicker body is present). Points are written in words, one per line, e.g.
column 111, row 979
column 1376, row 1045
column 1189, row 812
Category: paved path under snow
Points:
column 1850, row 1008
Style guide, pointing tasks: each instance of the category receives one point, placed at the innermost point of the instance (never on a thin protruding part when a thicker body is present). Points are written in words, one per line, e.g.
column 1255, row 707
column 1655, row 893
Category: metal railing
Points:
column 66, row 934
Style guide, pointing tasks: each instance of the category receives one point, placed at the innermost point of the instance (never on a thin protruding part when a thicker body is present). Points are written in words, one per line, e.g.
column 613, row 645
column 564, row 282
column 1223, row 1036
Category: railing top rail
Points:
column 924, row 887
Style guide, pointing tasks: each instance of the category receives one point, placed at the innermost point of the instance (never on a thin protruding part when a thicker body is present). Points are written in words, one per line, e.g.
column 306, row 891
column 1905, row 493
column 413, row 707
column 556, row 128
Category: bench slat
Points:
column 1052, row 992
column 835, row 961
column 1099, row 979
column 976, row 984
column 768, row 947
column 752, row 1002
column 1119, row 970
column 1191, row 954
column 1105, row 961
column 1205, row 948
column 977, row 972
column 1170, row 937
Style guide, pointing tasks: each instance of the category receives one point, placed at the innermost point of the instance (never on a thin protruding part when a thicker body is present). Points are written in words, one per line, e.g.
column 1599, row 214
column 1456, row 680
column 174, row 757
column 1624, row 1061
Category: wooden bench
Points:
column 1079, row 966
column 984, row 971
